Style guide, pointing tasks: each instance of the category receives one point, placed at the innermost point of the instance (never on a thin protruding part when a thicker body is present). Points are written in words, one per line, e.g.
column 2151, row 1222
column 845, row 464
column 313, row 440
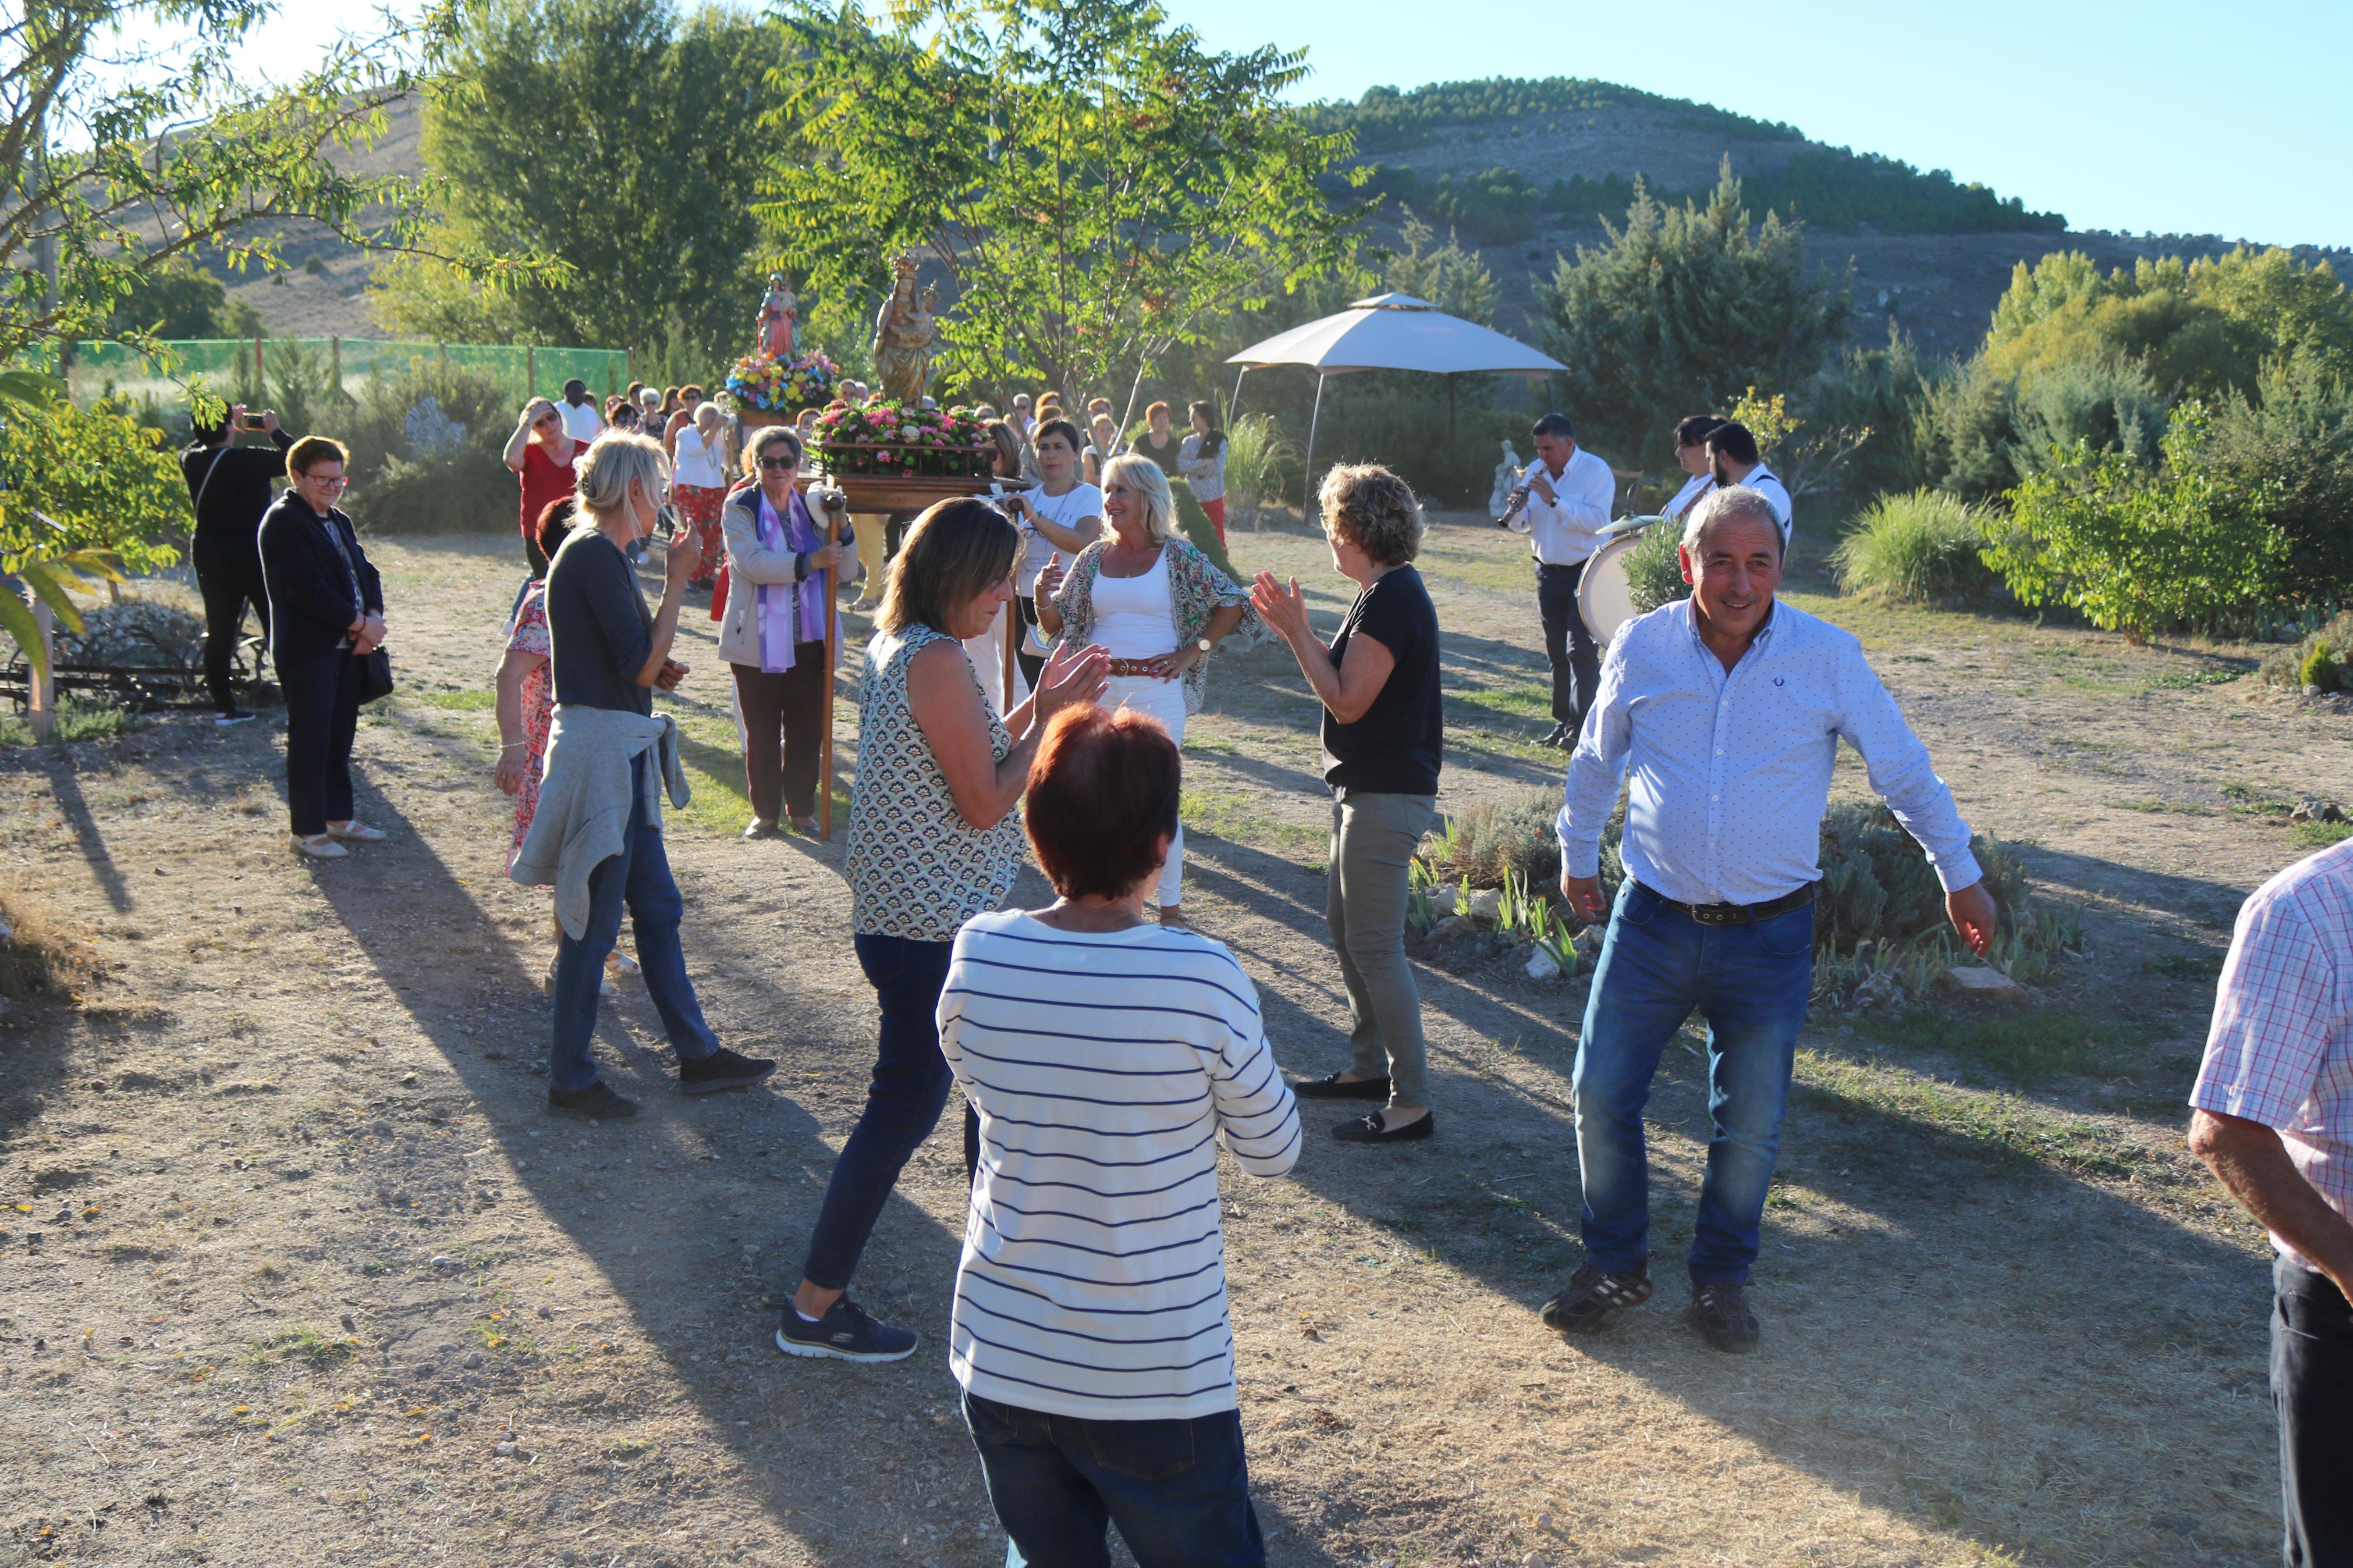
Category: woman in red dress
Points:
column 541, row 454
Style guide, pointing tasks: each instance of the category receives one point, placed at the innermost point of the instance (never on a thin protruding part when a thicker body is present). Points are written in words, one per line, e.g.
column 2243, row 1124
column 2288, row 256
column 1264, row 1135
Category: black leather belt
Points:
column 1737, row 914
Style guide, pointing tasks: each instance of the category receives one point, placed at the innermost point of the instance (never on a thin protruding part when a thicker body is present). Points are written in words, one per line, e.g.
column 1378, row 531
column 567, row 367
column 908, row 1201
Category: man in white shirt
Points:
column 1733, row 458
column 581, row 420
column 1727, row 709
column 1569, row 492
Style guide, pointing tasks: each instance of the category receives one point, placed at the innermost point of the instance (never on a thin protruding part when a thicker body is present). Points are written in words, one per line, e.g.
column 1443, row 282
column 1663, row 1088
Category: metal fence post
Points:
column 529, row 372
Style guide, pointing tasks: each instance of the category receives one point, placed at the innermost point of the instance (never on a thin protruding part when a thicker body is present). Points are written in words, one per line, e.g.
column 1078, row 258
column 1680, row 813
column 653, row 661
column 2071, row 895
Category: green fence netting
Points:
column 226, row 364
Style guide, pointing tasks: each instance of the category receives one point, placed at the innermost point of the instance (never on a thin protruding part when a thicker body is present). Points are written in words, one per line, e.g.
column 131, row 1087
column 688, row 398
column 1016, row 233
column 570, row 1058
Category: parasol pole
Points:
column 1234, row 403
column 1307, row 501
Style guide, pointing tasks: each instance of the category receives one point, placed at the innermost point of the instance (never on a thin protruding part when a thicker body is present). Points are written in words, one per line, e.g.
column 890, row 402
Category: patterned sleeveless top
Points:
column 917, row 869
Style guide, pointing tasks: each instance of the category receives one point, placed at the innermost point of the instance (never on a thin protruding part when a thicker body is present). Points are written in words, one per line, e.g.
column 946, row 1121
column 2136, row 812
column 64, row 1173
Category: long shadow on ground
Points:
column 1895, row 1367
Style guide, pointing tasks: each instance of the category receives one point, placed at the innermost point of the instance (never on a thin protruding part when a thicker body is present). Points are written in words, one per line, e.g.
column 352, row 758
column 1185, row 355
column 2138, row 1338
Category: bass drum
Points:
column 1605, row 599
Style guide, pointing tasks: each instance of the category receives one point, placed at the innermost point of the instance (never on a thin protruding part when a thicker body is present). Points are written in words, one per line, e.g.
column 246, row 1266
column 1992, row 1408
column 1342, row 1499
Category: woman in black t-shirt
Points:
column 1383, row 732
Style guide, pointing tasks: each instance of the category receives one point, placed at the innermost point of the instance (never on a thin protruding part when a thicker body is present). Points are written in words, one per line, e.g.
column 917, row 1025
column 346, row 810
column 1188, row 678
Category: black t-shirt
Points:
column 1394, row 749
column 599, row 631
column 1164, row 457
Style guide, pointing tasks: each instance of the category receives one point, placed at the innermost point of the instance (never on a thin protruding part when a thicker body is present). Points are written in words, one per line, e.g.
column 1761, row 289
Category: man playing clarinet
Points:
column 1727, row 710
column 1563, row 504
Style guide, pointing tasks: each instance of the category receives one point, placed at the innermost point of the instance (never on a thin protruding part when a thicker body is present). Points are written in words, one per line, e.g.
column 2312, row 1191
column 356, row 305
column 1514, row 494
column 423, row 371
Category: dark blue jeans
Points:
column 2312, row 1385
column 1750, row 983
column 911, row 1083
column 1178, row 1490
column 639, row 877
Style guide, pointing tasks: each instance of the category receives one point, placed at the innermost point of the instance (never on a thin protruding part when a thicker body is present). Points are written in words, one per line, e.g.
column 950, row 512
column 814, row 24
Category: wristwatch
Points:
column 1204, row 644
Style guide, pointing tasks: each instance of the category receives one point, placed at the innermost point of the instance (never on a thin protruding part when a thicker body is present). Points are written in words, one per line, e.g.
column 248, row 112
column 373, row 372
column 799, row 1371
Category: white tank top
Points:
column 1135, row 617
column 698, row 464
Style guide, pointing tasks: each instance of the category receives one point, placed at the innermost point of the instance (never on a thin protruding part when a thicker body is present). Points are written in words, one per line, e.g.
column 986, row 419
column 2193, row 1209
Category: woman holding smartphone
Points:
column 1062, row 515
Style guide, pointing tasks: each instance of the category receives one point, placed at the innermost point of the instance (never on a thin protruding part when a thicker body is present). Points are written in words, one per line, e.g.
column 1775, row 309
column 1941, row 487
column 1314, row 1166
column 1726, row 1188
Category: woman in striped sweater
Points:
column 1107, row 1056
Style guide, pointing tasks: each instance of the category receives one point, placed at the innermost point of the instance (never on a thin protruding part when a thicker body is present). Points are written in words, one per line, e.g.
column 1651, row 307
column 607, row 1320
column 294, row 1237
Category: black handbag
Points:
column 375, row 674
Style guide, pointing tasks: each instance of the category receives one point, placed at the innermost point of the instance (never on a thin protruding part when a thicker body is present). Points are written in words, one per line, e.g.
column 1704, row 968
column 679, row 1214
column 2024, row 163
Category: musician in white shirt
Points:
column 1733, row 459
column 1691, row 455
column 1566, row 495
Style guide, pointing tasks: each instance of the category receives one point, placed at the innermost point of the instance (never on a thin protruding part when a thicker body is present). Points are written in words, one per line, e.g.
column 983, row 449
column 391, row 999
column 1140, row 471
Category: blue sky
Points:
column 2129, row 114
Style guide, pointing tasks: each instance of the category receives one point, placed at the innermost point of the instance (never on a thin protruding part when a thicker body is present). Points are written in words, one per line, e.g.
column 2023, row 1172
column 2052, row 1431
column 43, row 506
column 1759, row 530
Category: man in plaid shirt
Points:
column 2273, row 1118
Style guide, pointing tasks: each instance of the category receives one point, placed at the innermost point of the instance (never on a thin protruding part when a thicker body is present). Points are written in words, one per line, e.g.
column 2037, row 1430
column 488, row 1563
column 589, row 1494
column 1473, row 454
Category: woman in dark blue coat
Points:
column 326, row 614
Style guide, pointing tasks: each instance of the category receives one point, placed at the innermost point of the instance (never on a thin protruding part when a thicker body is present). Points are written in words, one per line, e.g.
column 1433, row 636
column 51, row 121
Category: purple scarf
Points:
column 801, row 619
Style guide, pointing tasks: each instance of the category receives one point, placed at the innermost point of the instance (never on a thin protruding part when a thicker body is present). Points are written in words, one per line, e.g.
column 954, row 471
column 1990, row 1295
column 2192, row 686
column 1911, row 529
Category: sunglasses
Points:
column 771, row 463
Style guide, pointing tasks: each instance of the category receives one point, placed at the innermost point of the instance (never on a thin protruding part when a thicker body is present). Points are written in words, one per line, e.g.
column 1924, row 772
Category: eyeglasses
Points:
column 774, row 463
column 326, row 482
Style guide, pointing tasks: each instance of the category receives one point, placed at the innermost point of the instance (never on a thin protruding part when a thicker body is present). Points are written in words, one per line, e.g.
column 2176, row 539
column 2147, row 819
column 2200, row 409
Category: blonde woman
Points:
column 595, row 835
column 1155, row 605
column 699, row 485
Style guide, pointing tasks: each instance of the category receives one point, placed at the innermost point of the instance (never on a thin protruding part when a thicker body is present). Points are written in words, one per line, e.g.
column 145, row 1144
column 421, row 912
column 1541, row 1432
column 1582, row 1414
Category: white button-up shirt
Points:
column 1566, row 529
column 2281, row 1049
column 1731, row 770
column 1694, row 487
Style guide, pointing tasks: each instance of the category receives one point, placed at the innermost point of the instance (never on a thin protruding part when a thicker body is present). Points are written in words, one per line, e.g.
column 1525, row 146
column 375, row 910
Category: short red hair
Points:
column 1102, row 793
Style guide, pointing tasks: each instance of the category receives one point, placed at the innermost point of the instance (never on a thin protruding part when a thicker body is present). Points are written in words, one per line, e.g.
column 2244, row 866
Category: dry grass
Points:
column 34, row 954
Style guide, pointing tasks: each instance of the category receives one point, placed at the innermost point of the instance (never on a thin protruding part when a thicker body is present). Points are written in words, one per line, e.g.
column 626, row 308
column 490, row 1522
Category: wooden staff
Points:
column 832, row 638
column 1013, row 633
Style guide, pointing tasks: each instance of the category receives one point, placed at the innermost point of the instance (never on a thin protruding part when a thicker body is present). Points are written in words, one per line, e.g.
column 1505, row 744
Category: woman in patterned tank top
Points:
column 933, row 841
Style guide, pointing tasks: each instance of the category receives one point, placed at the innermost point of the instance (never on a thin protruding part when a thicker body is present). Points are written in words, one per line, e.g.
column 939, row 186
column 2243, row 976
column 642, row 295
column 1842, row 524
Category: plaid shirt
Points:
column 2281, row 1050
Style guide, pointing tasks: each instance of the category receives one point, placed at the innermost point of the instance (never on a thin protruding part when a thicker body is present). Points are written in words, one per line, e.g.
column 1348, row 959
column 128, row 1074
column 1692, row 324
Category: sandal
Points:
column 1592, row 1295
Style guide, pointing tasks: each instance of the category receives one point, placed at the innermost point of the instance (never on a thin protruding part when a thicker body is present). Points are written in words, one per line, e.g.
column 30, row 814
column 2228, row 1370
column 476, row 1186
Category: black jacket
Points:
column 237, row 492
column 311, row 608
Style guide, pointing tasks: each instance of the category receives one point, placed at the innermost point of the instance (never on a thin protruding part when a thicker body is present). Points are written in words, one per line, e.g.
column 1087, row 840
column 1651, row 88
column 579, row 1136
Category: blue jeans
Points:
column 1750, row 983
column 1178, row 1490
column 638, row 875
column 904, row 1098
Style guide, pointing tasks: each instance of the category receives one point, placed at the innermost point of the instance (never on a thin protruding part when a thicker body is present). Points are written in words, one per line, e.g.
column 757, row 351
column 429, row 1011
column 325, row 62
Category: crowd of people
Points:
column 1105, row 1050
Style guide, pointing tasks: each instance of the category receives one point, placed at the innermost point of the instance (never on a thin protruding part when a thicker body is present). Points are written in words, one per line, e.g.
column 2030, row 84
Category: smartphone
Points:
column 250, row 422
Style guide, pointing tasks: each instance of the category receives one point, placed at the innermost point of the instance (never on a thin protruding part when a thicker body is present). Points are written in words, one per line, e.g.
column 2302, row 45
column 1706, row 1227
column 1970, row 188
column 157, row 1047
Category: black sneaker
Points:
column 722, row 1068
column 1557, row 735
column 1371, row 1129
column 597, row 1102
column 1721, row 1314
column 845, row 1333
column 1592, row 1295
column 1331, row 1087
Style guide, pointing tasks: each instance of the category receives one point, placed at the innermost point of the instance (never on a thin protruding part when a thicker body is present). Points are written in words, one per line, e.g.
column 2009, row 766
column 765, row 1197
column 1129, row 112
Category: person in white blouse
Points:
column 581, row 420
column 1567, row 493
column 1060, row 516
column 1691, row 455
column 1732, row 459
column 1724, row 712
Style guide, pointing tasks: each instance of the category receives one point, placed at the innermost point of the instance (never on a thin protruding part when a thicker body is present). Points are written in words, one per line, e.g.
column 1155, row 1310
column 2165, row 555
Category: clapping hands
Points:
column 1283, row 607
column 1071, row 676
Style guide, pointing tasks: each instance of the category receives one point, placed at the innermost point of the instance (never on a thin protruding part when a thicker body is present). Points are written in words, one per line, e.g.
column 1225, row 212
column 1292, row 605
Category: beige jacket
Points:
column 749, row 564
column 596, row 757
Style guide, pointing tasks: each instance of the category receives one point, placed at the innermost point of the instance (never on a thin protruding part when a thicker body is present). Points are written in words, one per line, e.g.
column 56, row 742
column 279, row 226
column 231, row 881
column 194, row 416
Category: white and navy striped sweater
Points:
column 1104, row 1067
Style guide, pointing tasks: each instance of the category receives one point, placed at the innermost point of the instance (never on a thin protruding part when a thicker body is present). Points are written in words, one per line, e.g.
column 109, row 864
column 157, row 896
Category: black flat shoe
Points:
column 597, row 1102
column 1722, row 1315
column 722, row 1069
column 1330, row 1087
column 1368, row 1130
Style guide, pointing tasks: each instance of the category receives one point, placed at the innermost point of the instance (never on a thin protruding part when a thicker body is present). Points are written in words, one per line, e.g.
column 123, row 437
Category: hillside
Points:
column 1527, row 171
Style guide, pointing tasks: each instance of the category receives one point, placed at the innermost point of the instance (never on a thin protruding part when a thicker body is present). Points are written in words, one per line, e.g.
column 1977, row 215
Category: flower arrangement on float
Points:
column 887, row 437
column 763, row 383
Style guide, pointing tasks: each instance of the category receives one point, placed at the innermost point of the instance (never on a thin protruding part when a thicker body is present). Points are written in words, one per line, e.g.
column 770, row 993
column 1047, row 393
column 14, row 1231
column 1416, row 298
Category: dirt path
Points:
column 297, row 1269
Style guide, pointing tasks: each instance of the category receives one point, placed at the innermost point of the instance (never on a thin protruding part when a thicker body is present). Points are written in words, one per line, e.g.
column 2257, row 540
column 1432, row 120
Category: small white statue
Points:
column 1507, row 474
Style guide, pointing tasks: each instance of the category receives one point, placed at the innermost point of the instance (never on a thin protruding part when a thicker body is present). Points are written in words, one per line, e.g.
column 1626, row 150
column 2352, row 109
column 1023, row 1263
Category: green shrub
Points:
column 2136, row 550
column 1654, row 568
column 420, row 467
column 1489, row 839
column 2290, row 667
column 1920, row 548
column 78, row 719
column 1259, row 463
column 2321, row 668
column 1193, row 523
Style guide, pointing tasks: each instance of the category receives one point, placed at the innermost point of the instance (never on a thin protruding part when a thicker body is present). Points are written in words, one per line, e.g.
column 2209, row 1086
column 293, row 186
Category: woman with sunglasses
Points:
column 541, row 454
column 780, row 572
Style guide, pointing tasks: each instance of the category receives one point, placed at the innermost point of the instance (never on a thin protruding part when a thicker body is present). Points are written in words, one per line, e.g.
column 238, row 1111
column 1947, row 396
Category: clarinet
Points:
column 1518, row 498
